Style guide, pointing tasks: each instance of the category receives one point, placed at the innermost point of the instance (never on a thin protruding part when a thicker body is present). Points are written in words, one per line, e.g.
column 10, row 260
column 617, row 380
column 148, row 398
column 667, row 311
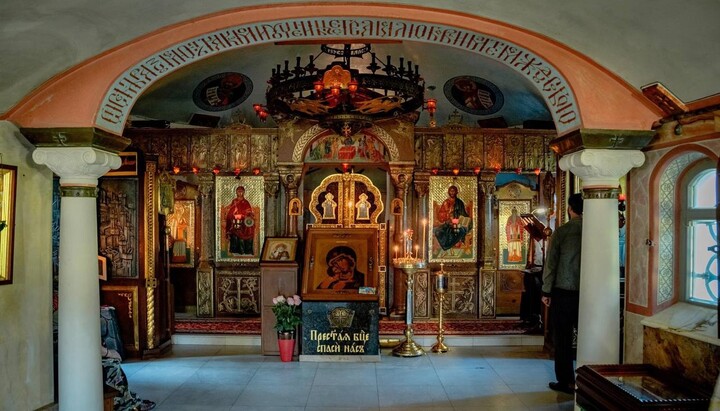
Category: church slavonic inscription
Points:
column 130, row 85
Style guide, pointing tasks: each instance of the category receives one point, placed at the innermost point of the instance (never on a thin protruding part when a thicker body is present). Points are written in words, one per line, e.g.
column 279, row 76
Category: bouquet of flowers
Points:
column 287, row 312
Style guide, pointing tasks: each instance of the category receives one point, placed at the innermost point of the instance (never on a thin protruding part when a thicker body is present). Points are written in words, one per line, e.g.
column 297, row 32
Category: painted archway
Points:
column 101, row 92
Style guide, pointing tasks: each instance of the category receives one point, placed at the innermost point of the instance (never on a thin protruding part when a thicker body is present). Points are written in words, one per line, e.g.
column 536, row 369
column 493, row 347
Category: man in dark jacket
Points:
column 561, row 292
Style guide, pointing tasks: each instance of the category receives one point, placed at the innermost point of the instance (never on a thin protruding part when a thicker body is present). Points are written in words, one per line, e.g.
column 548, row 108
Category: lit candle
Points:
column 396, row 249
column 416, row 250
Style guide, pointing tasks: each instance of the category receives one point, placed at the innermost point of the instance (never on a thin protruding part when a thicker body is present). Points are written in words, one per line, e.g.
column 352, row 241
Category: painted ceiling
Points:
column 472, row 86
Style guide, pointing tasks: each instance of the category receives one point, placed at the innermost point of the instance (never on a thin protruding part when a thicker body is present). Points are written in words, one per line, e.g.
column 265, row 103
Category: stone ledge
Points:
column 691, row 321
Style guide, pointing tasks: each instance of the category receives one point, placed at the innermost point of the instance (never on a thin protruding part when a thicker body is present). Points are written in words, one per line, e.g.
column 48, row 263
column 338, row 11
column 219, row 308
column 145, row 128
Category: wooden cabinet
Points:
column 636, row 387
column 276, row 279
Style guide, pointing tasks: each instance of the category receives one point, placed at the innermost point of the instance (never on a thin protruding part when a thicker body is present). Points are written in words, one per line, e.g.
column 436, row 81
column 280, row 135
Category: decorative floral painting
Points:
column 239, row 218
column 453, row 224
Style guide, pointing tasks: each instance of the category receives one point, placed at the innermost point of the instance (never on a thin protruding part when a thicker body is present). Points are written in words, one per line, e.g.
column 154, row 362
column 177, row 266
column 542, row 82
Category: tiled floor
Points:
column 239, row 378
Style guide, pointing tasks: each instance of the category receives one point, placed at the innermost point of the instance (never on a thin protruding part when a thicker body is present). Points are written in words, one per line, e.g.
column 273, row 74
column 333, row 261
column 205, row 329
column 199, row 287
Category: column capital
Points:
column 206, row 184
column 401, row 174
column 422, row 183
column 290, row 174
column 601, row 167
column 585, row 139
column 81, row 166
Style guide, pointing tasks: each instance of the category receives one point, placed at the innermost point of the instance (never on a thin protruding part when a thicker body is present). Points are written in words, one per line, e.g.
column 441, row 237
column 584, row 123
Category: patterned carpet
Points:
column 251, row 326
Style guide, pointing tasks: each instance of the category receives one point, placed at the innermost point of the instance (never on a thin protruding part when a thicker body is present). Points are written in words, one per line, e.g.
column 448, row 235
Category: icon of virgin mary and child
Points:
column 342, row 272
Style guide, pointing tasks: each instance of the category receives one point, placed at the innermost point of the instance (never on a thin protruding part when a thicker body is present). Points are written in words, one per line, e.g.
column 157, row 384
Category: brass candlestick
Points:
column 409, row 348
column 440, row 289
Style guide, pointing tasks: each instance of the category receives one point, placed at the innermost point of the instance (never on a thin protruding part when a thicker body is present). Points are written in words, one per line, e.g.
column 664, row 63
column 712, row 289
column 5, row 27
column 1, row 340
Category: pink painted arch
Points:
column 101, row 91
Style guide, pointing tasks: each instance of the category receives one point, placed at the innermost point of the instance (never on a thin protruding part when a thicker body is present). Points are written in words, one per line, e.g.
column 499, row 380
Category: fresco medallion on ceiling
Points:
column 474, row 95
column 222, row 91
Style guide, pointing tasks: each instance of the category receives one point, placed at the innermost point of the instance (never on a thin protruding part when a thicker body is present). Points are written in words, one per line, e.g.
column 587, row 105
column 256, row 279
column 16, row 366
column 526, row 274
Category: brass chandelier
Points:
column 340, row 97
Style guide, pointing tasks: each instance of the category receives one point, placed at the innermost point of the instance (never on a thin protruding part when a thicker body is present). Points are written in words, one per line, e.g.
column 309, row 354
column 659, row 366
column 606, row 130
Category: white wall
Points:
column 26, row 349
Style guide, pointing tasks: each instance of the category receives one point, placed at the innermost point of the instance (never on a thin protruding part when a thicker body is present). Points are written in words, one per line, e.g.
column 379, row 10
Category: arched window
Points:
column 699, row 234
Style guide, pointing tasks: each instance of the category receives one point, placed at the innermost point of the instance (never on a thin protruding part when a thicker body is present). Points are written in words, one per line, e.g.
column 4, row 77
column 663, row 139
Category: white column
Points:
column 80, row 378
column 599, row 321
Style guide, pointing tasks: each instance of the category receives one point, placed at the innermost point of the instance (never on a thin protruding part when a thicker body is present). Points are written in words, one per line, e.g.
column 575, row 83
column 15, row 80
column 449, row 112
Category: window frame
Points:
column 687, row 214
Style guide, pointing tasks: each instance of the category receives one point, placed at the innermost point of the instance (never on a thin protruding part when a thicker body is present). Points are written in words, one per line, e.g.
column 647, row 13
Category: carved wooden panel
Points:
column 514, row 152
column 474, row 147
column 433, row 152
column 534, row 152
column 237, row 294
column 462, row 295
column 205, row 293
column 261, row 157
column 179, row 152
column 487, row 294
column 495, row 152
column 161, row 148
column 118, row 225
column 240, row 159
column 453, row 151
column 421, row 293
column 200, row 152
column 219, row 149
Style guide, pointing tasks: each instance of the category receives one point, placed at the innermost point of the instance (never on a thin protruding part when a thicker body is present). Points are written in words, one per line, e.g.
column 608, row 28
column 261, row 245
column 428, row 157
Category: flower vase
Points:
column 286, row 343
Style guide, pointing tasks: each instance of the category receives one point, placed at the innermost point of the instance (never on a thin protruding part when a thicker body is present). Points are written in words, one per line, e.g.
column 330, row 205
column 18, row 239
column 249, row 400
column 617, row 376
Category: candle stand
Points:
column 409, row 266
column 440, row 289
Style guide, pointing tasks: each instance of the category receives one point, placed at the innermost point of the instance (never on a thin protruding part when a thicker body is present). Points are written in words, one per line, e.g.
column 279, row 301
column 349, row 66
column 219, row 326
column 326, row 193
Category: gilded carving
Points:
column 219, row 148
column 495, row 152
column 453, row 150
column 422, row 183
column 488, row 294
column 151, row 212
column 238, row 294
column 179, row 156
column 462, row 294
column 200, row 152
column 346, row 200
column 272, row 185
column 433, row 152
column 514, row 152
column 160, row 147
column 474, row 148
column 240, row 156
column 421, row 291
column 118, row 225
column 204, row 293
column 534, row 152
column 260, row 152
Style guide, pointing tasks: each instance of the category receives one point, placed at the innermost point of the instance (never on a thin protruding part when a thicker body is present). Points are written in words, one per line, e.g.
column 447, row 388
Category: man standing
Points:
column 561, row 292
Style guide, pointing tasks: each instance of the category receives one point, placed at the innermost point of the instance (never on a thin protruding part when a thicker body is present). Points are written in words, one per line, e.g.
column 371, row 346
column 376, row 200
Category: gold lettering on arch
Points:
column 122, row 95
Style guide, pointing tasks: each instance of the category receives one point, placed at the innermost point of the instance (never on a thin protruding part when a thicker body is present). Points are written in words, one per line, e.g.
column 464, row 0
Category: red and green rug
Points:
column 251, row 326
